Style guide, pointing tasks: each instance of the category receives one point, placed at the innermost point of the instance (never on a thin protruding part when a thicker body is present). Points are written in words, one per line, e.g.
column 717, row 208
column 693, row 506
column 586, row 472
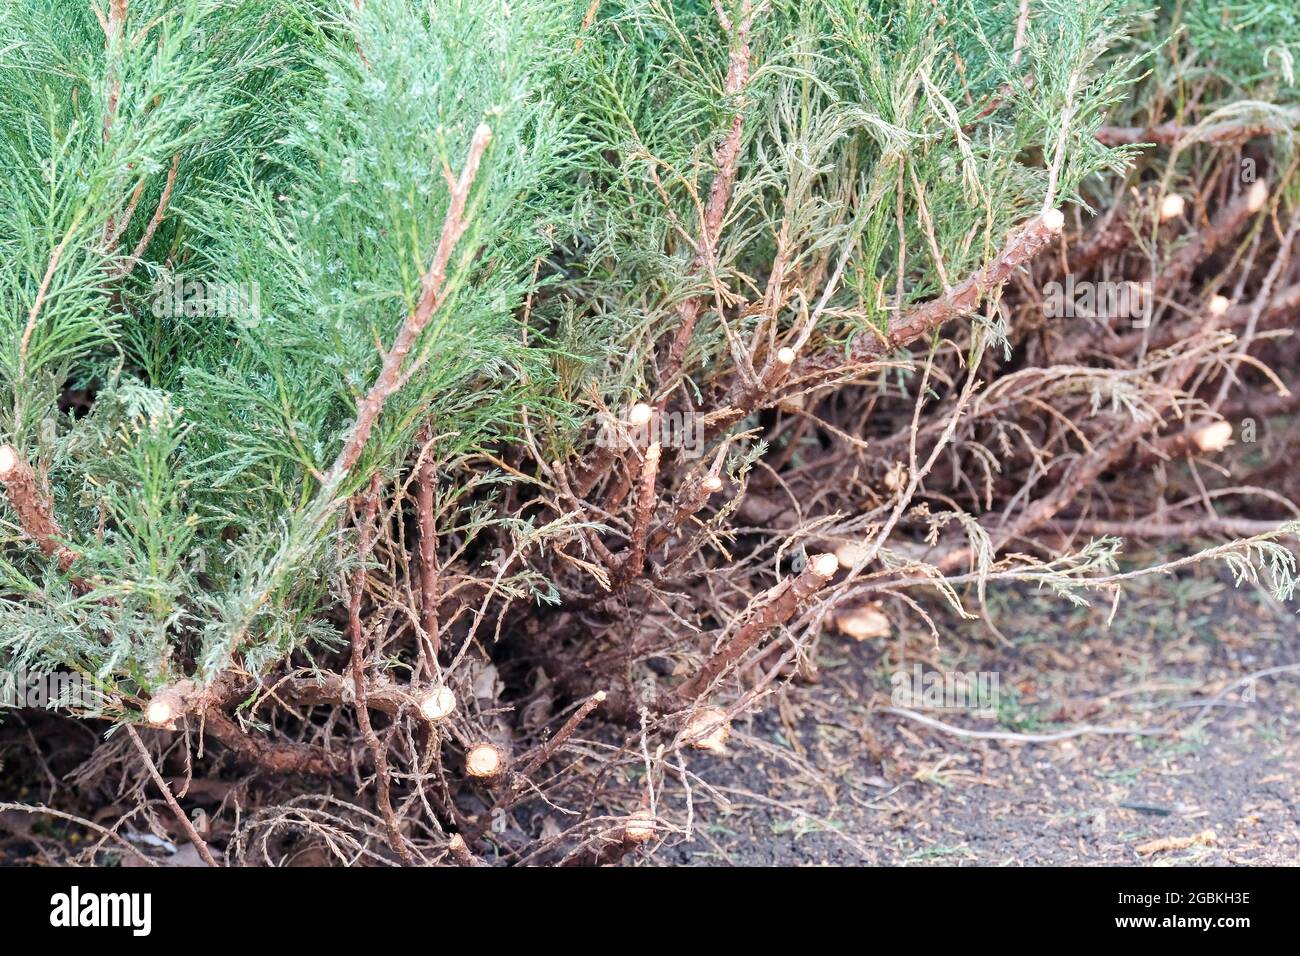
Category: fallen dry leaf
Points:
column 863, row 623
column 1204, row 838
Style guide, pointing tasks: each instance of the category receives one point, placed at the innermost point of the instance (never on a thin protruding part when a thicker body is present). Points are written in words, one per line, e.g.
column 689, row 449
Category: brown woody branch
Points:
column 747, row 397
column 154, row 222
column 431, row 296
column 634, row 562
column 533, row 762
column 779, row 606
column 1225, row 227
column 34, row 508
column 277, row 757
column 910, row 325
column 1111, row 235
column 728, row 156
column 693, row 499
column 1085, row 470
column 392, row 376
column 425, row 480
column 1206, row 241
column 1168, row 134
column 460, row 852
column 1023, row 245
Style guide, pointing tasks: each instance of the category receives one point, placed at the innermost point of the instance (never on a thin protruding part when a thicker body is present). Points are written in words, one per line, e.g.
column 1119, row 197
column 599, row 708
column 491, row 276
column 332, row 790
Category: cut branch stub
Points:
column 168, row 703
column 708, row 730
column 695, row 497
column 484, row 761
column 634, row 563
column 781, row 604
column 35, row 511
column 439, row 703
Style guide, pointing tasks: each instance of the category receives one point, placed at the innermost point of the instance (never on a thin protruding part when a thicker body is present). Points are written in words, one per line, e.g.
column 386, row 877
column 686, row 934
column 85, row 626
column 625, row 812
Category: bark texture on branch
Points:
column 780, row 605
column 1167, row 134
column 728, row 157
column 34, row 508
column 425, row 480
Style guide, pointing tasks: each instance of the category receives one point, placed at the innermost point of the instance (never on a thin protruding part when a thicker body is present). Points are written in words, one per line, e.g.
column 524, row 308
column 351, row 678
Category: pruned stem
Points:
column 431, row 295
column 694, row 498
column 460, row 852
column 634, row 562
column 531, row 763
column 275, row 757
column 910, row 325
column 779, row 606
column 1205, row 242
column 34, row 508
column 425, row 481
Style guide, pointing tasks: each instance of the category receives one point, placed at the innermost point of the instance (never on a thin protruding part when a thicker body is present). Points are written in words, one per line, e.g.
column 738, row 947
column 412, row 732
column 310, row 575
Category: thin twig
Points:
column 360, row 651
column 185, row 823
column 1085, row 730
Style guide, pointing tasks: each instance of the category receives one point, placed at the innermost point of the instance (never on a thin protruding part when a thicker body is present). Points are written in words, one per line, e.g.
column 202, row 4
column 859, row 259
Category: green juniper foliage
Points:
column 857, row 115
column 314, row 147
column 183, row 382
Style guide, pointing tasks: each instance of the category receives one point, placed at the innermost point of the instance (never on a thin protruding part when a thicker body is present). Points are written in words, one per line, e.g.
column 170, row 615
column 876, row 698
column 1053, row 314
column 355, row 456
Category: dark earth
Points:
column 823, row 777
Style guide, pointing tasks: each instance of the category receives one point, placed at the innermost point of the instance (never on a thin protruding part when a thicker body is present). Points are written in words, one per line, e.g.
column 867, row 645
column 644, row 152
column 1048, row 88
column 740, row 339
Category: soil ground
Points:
column 825, row 777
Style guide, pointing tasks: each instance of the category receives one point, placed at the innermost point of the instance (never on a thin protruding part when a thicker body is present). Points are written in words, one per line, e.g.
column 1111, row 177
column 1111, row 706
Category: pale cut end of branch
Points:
column 159, row 712
column 634, row 563
column 711, row 484
column 1054, row 219
column 1213, row 438
column 774, row 375
column 1172, row 207
column 168, row 704
column 1218, row 305
column 850, row 553
column 640, row 415
column 825, row 565
column 439, row 703
column 708, row 730
column 640, row 827
column 483, row 761
column 8, row 462
column 460, row 852
column 1257, row 196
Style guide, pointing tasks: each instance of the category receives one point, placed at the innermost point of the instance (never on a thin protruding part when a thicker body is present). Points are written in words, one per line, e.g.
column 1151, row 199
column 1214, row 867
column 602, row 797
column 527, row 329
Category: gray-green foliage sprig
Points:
column 313, row 145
